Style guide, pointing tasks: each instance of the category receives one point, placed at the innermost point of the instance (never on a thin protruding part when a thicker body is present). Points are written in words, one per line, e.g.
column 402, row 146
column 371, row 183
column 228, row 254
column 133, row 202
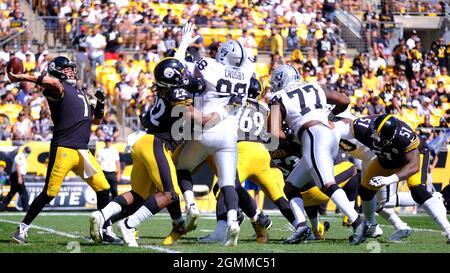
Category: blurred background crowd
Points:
column 118, row 42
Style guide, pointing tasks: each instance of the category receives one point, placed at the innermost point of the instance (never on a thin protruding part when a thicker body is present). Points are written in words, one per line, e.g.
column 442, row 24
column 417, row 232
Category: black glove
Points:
column 100, row 94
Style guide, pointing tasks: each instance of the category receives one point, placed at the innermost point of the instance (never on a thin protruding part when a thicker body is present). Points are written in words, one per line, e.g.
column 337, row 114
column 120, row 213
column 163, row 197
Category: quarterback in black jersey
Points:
column 72, row 116
column 400, row 155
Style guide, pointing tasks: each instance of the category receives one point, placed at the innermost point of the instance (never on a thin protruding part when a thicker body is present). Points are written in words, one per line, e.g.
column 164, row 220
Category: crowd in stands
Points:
column 409, row 80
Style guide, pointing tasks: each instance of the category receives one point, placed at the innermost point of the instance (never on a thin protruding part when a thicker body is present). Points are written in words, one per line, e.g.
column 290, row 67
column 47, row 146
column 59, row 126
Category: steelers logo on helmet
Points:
column 169, row 72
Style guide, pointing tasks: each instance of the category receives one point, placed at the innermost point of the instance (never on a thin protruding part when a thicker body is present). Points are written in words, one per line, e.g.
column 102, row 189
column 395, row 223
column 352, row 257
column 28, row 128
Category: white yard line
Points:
column 73, row 236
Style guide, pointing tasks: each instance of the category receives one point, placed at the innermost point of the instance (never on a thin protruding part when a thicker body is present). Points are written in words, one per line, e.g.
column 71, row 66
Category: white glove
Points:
column 380, row 181
column 187, row 31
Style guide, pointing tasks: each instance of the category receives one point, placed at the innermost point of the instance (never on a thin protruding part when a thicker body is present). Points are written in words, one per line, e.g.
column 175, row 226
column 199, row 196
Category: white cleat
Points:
column 212, row 238
column 374, row 231
column 192, row 214
column 399, row 234
column 96, row 226
column 232, row 233
column 128, row 234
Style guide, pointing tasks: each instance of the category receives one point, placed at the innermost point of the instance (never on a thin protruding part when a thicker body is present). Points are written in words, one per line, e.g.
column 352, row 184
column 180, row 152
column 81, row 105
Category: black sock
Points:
column 231, row 197
column 152, row 205
column 102, row 201
column 283, row 206
column 174, row 210
column 312, row 211
column 221, row 209
column 246, row 202
column 36, row 207
column 184, row 180
column 351, row 188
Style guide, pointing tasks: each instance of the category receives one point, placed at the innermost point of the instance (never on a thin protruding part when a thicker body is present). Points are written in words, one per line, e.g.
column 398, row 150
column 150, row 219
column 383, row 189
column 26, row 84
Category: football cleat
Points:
column 109, row 237
column 20, row 236
column 319, row 234
column 346, row 222
column 96, row 226
column 192, row 215
column 212, row 238
column 373, row 231
column 128, row 234
column 299, row 235
column 261, row 226
column 359, row 233
column 399, row 234
column 240, row 216
column 232, row 233
column 178, row 230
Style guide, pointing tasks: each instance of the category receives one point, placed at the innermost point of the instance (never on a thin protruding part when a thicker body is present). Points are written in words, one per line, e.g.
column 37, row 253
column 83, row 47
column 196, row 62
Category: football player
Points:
column 72, row 116
column 399, row 156
column 153, row 176
column 303, row 107
column 226, row 79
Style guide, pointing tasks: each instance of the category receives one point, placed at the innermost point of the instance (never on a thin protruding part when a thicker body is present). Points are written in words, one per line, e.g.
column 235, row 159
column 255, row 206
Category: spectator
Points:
column 5, row 127
column 22, row 129
column 110, row 127
column 96, row 44
column 360, row 108
column 43, row 127
column 52, row 23
column 324, row 45
column 249, row 42
column 5, row 53
column 113, row 42
column 441, row 52
column 216, row 20
column 17, row 178
column 386, row 16
column 425, row 129
column 375, row 107
column 329, row 9
column 169, row 40
column 411, row 42
column 293, row 42
column 3, row 178
column 24, row 94
column 370, row 21
column 109, row 161
column 376, row 63
column 395, row 107
column 426, row 108
column 22, row 53
column 171, row 18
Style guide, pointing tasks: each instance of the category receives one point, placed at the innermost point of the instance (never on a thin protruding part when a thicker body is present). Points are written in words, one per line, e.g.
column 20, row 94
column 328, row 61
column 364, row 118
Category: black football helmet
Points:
column 170, row 73
column 255, row 89
column 384, row 129
column 56, row 67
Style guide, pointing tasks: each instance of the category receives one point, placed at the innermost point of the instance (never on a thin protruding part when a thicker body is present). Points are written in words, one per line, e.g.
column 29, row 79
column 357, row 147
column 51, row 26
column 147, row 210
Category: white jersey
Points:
column 223, row 82
column 303, row 102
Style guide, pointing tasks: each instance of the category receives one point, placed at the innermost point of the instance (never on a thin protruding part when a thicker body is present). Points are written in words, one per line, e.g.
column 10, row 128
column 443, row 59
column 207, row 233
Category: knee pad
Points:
column 331, row 189
column 366, row 194
column 420, row 194
column 290, row 191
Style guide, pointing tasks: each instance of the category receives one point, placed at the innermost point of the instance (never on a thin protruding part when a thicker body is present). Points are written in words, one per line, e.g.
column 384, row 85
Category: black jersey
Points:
column 286, row 156
column 393, row 155
column 160, row 115
column 72, row 118
column 253, row 122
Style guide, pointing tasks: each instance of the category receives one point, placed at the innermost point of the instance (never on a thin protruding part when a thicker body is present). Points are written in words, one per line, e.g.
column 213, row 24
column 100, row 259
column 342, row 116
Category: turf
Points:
column 74, row 231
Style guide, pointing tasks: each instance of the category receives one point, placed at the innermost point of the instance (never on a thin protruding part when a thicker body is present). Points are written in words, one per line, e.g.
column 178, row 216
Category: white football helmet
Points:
column 231, row 53
column 282, row 75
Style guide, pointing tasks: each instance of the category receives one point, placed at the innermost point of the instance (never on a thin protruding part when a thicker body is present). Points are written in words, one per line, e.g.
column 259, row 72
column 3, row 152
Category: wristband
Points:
column 39, row 80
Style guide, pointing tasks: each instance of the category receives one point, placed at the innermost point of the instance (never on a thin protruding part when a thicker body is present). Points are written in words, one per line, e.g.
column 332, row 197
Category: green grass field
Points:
column 69, row 232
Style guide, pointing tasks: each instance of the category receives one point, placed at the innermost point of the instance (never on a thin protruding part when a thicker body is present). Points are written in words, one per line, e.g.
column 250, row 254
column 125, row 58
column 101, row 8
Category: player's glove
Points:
column 380, row 181
column 100, row 94
column 187, row 31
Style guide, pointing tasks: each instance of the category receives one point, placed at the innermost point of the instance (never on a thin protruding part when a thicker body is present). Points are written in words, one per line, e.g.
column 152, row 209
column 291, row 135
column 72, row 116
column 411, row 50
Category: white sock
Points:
column 177, row 221
column 109, row 229
column 296, row 205
column 389, row 215
column 314, row 223
column 110, row 210
column 24, row 227
column 369, row 208
column 139, row 216
column 352, row 203
column 255, row 217
column 221, row 227
column 405, row 199
column 436, row 209
column 189, row 198
column 231, row 216
column 340, row 199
